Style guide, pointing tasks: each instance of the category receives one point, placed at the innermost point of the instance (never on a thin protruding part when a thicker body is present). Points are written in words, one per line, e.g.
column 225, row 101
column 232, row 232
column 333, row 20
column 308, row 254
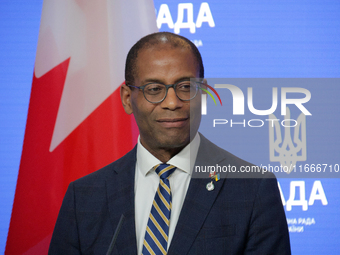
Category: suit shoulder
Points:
column 212, row 151
column 213, row 155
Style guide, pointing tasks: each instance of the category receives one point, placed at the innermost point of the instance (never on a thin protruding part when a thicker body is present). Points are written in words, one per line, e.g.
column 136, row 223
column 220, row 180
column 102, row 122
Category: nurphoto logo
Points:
column 270, row 101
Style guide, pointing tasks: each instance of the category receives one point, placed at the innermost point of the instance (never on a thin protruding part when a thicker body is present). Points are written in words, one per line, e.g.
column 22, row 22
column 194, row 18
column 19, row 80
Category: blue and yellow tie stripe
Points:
column 156, row 235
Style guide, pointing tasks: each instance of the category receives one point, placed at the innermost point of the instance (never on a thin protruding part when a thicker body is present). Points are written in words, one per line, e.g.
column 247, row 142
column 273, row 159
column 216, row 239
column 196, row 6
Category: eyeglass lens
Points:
column 156, row 92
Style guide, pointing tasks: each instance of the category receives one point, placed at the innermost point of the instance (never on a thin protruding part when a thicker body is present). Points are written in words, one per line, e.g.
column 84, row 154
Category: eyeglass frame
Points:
column 167, row 86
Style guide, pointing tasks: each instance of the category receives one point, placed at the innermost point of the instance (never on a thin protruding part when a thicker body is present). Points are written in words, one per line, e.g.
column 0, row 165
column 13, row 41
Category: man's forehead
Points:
column 162, row 46
column 160, row 52
column 155, row 50
column 165, row 49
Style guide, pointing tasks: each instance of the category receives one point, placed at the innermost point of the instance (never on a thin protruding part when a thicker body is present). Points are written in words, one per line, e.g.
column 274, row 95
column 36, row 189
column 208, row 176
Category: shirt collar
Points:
column 184, row 160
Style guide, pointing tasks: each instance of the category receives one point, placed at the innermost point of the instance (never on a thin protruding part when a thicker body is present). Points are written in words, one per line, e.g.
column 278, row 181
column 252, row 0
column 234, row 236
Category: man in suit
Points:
column 238, row 214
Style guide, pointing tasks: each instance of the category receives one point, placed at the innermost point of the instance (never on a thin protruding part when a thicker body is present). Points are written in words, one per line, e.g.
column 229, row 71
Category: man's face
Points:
column 165, row 125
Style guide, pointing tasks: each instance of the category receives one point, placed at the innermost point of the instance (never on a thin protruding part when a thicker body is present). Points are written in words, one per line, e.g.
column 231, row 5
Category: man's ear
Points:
column 125, row 96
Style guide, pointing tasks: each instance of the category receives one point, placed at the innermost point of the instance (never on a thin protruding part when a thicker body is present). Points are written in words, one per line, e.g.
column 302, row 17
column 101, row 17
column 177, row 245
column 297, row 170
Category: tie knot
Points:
column 164, row 170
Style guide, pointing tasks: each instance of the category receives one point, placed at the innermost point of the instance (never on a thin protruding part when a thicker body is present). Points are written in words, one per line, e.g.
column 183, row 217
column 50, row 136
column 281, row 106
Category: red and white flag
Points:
column 76, row 123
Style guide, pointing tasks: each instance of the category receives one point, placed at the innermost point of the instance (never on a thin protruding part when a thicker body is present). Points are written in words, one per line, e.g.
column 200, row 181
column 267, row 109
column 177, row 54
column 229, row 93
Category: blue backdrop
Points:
column 237, row 39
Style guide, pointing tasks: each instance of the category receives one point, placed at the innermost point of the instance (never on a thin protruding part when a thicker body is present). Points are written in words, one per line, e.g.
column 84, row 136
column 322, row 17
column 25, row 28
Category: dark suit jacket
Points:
column 240, row 216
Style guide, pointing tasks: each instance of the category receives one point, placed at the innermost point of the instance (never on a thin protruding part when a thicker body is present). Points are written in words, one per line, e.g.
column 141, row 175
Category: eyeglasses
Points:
column 156, row 92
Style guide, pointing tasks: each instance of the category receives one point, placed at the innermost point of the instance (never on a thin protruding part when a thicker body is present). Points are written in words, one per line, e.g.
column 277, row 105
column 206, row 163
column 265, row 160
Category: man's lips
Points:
column 172, row 122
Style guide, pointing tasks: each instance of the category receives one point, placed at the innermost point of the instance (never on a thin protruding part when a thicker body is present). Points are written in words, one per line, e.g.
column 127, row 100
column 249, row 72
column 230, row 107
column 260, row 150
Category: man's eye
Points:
column 185, row 86
column 154, row 89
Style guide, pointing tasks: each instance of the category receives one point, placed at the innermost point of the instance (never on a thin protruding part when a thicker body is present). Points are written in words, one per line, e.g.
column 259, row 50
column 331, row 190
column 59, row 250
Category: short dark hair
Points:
column 157, row 39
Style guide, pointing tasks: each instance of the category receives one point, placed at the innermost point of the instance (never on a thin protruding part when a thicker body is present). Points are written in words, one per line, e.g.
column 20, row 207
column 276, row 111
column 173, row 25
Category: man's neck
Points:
column 164, row 155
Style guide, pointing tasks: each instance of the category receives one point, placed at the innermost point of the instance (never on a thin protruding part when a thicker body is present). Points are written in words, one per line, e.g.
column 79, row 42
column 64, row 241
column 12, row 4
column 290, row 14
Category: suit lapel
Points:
column 120, row 195
column 198, row 201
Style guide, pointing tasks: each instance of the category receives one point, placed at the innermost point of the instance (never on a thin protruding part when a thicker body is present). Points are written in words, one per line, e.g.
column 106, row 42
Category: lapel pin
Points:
column 212, row 174
column 210, row 186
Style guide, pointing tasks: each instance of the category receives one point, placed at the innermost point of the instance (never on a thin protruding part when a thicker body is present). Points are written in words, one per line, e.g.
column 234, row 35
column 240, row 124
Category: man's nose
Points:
column 171, row 101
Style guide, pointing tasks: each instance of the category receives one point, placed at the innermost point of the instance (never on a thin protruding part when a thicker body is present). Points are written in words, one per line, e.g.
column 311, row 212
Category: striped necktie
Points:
column 156, row 235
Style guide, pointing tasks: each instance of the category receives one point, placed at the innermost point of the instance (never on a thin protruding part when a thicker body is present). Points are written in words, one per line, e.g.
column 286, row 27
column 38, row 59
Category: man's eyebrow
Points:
column 152, row 80
column 162, row 82
column 185, row 78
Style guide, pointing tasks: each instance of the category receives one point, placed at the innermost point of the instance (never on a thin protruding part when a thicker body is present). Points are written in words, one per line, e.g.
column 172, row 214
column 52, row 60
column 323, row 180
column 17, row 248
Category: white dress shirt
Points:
column 147, row 181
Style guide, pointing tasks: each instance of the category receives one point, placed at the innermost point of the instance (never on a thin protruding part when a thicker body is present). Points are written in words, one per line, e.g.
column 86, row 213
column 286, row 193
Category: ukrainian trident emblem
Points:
column 287, row 151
